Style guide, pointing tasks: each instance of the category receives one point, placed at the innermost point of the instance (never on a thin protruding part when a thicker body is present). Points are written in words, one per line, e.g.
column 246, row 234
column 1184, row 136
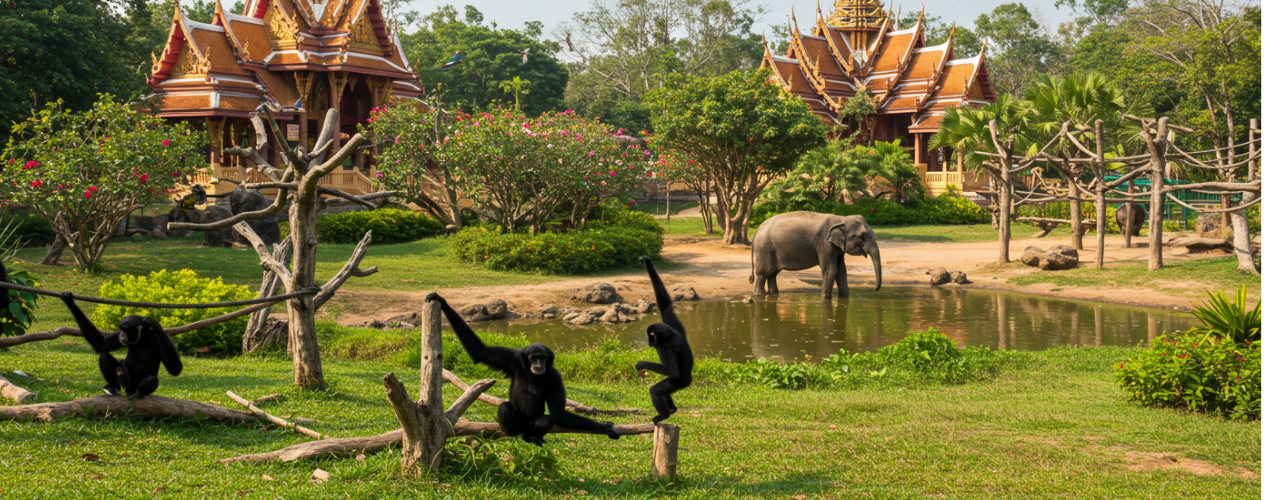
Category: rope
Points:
column 156, row 305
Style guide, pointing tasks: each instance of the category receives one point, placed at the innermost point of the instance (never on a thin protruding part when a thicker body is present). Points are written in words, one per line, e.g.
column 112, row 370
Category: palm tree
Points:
column 893, row 164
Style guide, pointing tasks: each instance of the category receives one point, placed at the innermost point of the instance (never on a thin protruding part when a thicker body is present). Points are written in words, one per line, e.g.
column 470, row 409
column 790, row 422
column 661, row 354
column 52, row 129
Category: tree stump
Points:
column 8, row 390
column 666, row 442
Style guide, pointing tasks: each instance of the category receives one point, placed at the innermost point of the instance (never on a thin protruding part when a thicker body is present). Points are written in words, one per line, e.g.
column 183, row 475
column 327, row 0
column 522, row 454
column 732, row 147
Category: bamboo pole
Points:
column 274, row 419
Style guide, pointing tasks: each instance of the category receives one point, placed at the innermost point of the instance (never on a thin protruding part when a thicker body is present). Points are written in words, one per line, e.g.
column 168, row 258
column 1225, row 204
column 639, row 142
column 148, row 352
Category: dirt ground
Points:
column 718, row 271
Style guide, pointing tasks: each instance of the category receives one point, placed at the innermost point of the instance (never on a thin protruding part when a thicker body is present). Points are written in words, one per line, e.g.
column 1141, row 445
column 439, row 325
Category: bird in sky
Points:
column 457, row 57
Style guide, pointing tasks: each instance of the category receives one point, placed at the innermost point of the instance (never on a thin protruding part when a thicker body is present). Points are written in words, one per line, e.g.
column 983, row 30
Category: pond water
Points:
column 791, row 326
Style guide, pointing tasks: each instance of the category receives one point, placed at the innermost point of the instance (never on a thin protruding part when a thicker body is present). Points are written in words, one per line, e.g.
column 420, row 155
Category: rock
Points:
column 244, row 200
column 493, row 309
column 748, row 299
column 579, row 318
column 413, row 320
column 1210, row 226
column 549, row 312
column 960, row 278
column 939, row 276
column 683, row 292
column 1057, row 257
column 226, row 237
column 1203, row 245
column 598, row 293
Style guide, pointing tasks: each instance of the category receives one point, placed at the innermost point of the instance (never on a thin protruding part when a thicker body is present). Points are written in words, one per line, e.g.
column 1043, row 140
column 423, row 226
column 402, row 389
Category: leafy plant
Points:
column 1221, row 378
column 389, row 225
column 498, row 458
column 181, row 286
column 20, row 314
column 1229, row 319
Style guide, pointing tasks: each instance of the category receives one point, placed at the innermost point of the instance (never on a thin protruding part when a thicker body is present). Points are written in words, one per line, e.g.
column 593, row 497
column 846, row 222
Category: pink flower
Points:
column 612, row 173
column 575, row 136
column 165, row 142
column 142, row 179
column 624, row 155
column 368, row 120
column 593, row 153
column 525, row 125
column 619, row 130
column 378, row 175
column 31, row 164
column 87, row 195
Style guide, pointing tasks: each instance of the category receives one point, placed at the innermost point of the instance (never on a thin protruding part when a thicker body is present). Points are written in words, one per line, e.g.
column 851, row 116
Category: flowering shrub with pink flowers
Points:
column 85, row 171
column 518, row 171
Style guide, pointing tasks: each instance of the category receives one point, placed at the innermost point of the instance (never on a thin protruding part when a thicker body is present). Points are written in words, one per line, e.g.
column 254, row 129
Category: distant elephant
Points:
column 1134, row 223
column 796, row 241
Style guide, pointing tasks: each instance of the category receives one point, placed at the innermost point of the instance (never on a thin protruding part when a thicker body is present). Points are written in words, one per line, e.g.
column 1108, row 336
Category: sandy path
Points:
column 718, row 271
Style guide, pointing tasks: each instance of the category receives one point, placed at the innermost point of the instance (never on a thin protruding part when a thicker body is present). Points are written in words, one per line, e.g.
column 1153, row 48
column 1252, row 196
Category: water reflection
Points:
column 793, row 326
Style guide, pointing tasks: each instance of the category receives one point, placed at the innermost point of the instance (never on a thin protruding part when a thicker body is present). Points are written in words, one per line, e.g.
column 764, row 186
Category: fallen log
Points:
column 147, row 406
column 1202, row 245
column 274, row 419
column 349, row 447
column 569, row 404
column 11, row 391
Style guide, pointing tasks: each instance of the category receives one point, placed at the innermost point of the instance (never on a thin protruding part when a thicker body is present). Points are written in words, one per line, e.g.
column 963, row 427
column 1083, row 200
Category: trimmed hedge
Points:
column 1199, row 373
column 181, row 286
column 944, row 209
column 618, row 239
column 389, row 225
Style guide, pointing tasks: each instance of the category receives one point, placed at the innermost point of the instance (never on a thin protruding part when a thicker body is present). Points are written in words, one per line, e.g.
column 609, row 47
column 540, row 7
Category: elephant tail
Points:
column 752, row 279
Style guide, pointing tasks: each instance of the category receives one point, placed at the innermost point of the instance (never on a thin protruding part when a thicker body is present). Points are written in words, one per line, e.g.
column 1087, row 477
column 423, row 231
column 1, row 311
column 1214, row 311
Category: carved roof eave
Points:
column 307, row 14
column 980, row 69
column 160, row 68
column 873, row 52
column 288, row 20
column 833, row 38
column 220, row 19
column 404, row 58
column 810, row 69
column 932, row 86
column 917, row 37
column 373, row 9
column 256, row 8
column 769, row 62
column 351, row 14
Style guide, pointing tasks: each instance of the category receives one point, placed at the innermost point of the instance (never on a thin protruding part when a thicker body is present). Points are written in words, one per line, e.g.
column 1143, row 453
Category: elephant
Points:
column 1135, row 223
column 796, row 241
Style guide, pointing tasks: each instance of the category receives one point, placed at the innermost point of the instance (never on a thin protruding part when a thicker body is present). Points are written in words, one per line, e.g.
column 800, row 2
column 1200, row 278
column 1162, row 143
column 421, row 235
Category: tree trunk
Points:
column 1155, row 232
column 738, row 228
column 148, row 406
column 1006, row 208
column 55, row 251
column 1077, row 223
column 666, row 443
column 1100, row 204
column 256, row 332
column 304, row 347
column 1239, row 220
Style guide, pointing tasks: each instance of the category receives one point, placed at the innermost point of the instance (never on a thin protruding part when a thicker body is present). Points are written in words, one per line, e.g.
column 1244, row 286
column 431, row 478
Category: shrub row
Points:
column 181, row 286
column 389, row 225
column 944, row 209
column 617, row 239
column 1217, row 376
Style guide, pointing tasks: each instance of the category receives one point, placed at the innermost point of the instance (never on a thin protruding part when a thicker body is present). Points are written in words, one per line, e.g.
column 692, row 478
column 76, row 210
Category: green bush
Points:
column 616, row 239
column 389, row 225
column 181, row 286
column 21, row 313
column 944, row 209
column 30, row 229
column 1221, row 378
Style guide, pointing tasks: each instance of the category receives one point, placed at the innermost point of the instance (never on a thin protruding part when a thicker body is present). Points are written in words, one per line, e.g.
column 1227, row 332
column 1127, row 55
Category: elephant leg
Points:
column 760, row 278
column 828, row 276
column 773, row 284
column 842, row 278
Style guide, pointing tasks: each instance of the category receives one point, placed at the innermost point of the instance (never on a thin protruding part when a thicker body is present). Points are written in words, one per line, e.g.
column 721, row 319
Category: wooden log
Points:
column 424, row 429
column 147, row 406
column 569, row 404
column 1203, row 245
column 464, row 401
column 349, row 447
column 666, row 443
column 274, row 419
column 11, row 391
column 267, row 398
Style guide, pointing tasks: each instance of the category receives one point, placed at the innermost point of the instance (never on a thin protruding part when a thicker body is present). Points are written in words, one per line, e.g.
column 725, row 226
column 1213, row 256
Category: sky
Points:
column 514, row 13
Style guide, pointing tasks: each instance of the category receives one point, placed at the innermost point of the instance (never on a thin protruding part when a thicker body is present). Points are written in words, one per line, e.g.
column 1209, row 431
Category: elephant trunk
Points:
column 874, row 252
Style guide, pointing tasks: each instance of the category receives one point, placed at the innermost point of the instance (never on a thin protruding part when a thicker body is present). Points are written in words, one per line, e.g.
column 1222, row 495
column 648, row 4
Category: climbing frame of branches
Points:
column 297, row 188
column 1004, row 163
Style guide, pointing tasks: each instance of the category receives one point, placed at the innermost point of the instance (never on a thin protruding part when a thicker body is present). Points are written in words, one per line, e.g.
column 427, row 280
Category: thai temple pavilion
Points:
column 858, row 46
column 296, row 57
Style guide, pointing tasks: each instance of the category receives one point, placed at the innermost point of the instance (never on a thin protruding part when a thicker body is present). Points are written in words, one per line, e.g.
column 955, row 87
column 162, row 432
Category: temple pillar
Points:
column 338, row 81
column 215, row 126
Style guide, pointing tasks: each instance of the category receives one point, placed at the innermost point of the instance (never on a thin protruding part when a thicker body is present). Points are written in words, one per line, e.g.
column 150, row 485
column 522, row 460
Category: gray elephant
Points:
column 795, row 241
column 1133, row 224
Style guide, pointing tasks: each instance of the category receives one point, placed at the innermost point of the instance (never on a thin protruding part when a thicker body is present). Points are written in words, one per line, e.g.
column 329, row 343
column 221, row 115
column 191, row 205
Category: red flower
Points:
column 165, row 142
column 36, row 183
column 31, row 164
column 1237, row 379
column 175, row 174
column 1164, row 354
column 1121, row 365
column 142, row 179
column 87, row 195
column 93, row 189
column 1195, row 345
column 1180, row 356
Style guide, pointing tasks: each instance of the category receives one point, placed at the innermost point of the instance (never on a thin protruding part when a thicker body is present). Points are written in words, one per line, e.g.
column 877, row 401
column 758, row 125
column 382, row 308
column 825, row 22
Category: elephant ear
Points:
column 836, row 235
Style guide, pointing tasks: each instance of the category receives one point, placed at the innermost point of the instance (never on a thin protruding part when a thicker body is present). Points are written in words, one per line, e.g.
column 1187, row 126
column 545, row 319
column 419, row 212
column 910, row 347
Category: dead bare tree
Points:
column 297, row 188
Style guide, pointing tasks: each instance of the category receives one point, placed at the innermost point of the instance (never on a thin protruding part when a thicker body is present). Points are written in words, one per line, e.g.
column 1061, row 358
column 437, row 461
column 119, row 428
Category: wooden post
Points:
column 666, row 441
column 1100, row 203
column 425, row 426
column 8, row 390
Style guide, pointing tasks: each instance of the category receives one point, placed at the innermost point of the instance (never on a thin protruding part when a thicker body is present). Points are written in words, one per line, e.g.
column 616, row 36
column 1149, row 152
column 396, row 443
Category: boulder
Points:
column 598, row 293
column 960, row 278
column 245, row 200
column 681, row 293
column 549, row 312
column 411, row 320
column 1057, row 257
column 493, row 309
column 226, row 237
column 939, row 276
column 1210, row 226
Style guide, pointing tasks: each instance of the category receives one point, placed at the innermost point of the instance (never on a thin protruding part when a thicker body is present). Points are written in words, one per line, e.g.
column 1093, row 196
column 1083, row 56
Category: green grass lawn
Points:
column 1208, row 274
column 659, row 207
column 1055, row 426
column 951, row 233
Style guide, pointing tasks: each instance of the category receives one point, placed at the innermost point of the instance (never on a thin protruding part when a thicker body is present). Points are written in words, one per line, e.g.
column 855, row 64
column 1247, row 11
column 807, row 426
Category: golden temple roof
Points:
column 858, row 47
column 241, row 60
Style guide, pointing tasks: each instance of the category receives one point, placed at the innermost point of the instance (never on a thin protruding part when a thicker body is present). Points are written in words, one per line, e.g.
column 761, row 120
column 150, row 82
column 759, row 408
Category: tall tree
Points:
column 1019, row 47
column 743, row 131
column 487, row 56
column 621, row 49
